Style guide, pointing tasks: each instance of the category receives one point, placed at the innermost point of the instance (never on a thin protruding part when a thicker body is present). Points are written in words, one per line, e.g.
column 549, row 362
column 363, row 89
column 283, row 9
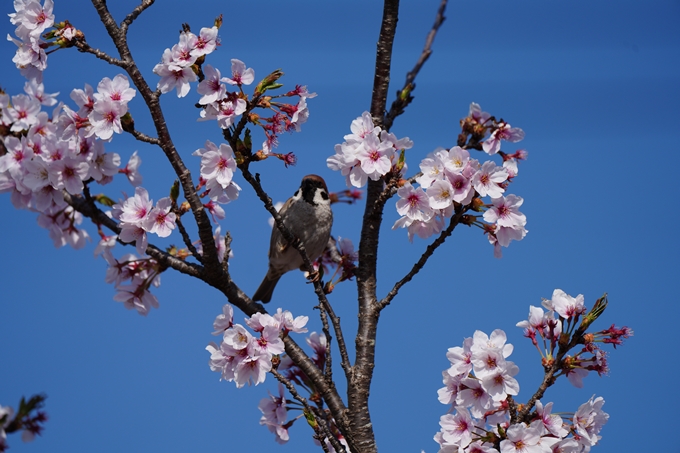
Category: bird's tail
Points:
column 266, row 289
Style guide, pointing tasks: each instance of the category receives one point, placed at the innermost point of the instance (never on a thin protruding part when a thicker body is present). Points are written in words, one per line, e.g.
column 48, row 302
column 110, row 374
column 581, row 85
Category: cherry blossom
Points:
column 239, row 74
column 505, row 212
column 488, row 179
column 503, row 132
column 160, row 219
column 211, row 87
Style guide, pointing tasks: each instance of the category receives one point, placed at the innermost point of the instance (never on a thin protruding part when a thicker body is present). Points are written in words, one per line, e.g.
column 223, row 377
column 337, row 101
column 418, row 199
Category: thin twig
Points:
column 187, row 239
column 455, row 219
column 320, row 420
column 340, row 339
column 134, row 15
column 144, row 138
column 83, row 46
column 328, row 365
column 404, row 97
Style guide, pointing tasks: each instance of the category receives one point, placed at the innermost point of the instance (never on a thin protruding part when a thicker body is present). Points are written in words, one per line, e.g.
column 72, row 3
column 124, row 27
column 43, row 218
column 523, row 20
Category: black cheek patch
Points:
column 324, row 195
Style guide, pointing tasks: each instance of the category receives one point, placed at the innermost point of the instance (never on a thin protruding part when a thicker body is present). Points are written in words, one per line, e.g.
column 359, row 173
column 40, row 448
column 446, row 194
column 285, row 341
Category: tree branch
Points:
column 359, row 386
column 134, row 15
column 404, row 97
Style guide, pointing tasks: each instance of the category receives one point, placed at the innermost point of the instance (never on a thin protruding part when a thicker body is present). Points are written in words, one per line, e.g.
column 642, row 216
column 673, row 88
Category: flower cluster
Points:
column 368, row 152
column 109, row 106
column 219, row 104
column 138, row 216
column 244, row 358
column 32, row 20
column 142, row 273
column 286, row 118
column 452, row 181
column 274, row 415
column 479, row 383
column 343, row 258
column 550, row 327
column 217, row 172
column 46, row 156
column 176, row 68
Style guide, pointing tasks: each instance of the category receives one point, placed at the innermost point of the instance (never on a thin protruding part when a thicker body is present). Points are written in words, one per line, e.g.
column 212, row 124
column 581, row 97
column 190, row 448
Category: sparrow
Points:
column 308, row 216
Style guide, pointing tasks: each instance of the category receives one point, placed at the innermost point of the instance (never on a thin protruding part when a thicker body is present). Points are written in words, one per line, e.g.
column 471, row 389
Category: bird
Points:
column 308, row 216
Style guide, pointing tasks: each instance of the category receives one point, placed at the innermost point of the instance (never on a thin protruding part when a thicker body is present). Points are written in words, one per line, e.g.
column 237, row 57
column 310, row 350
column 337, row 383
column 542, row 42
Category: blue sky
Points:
column 595, row 87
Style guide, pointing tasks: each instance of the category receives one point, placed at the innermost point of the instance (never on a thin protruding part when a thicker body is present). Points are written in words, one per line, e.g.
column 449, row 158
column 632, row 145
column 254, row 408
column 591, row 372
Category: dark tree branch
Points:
column 328, row 365
column 360, row 384
column 134, row 15
column 404, row 97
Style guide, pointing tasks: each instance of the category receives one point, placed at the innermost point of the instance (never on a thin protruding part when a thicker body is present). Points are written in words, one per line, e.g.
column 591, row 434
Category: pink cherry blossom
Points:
column 414, row 203
column 160, row 219
column 105, row 118
column 205, row 43
column 131, row 170
column 136, row 208
column 566, row 305
column 504, row 132
column 23, row 112
column 211, row 88
column 505, row 212
column 177, row 78
column 37, row 91
column 239, row 74
column 432, row 168
column 487, row 179
column 457, row 428
column 224, row 320
column 521, row 439
column 375, row 157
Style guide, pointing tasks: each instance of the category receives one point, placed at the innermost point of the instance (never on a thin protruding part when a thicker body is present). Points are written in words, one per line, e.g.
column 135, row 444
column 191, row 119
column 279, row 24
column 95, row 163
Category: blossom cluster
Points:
column 132, row 278
column 479, row 383
column 368, row 152
column 32, row 20
column 244, row 358
column 562, row 317
column 451, row 179
column 286, row 118
column 184, row 63
column 217, row 174
column 138, row 216
column 176, row 68
column 48, row 155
